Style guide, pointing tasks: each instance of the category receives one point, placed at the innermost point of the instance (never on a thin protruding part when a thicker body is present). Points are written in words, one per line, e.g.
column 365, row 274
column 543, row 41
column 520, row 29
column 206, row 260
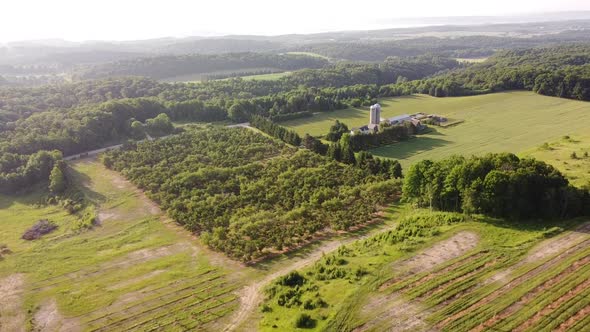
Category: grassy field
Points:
column 266, row 77
column 453, row 277
column 198, row 77
column 509, row 121
column 130, row 272
column 471, row 60
column 559, row 153
column 310, row 54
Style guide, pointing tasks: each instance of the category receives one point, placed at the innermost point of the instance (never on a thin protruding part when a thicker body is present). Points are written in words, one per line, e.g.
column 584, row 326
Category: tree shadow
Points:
column 82, row 182
column 411, row 147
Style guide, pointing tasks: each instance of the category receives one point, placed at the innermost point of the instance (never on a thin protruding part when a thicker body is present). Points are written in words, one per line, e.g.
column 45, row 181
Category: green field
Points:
column 509, row 121
column 198, row 77
column 310, row 54
column 559, row 153
column 266, row 77
column 130, row 271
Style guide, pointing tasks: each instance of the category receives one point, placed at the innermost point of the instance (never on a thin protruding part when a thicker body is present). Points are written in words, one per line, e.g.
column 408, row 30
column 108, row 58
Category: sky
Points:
column 78, row 20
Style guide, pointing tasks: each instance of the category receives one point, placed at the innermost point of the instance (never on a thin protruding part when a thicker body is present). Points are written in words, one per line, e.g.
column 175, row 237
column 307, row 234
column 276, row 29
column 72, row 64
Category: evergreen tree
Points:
column 57, row 179
column 346, row 150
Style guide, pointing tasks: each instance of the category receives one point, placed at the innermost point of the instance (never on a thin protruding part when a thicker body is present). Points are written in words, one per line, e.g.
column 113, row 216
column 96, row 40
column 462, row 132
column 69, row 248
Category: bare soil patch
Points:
column 394, row 314
column 545, row 250
column 12, row 315
column 439, row 253
column 49, row 319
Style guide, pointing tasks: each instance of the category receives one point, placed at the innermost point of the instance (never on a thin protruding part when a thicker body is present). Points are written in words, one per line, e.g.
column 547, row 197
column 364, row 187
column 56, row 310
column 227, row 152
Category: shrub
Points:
column 304, row 321
column 574, row 155
column 41, row 228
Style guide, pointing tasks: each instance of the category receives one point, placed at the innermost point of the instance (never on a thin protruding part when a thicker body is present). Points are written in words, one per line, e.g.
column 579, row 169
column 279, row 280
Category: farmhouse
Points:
column 375, row 119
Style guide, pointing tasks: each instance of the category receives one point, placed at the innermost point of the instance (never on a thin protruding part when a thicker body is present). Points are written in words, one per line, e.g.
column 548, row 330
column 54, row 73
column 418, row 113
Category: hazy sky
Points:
column 140, row 19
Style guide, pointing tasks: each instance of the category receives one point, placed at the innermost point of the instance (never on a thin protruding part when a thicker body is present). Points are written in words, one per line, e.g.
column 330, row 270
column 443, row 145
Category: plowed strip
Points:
column 515, row 282
column 526, row 298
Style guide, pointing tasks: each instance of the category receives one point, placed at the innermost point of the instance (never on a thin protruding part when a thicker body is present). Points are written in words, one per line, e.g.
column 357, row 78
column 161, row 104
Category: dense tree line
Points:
column 556, row 71
column 248, row 195
column 159, row 67
column 386, row 134
column 18, row 172
column 499, row 185
column 275, row 130
column 342, row 151
column 460, row 47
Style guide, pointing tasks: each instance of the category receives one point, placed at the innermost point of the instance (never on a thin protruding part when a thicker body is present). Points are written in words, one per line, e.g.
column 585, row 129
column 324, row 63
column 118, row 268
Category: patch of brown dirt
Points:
column 439, row 253
column 394, row 314
column 12, row 315
column 49, row 319
column 545, row 250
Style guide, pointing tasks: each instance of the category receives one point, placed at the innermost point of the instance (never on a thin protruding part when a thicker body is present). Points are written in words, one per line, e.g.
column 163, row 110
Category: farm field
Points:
column 469, row 274
column 267, row 77
column 130, row 272
column 198, row 77
column 559, row 153
column 533, row 120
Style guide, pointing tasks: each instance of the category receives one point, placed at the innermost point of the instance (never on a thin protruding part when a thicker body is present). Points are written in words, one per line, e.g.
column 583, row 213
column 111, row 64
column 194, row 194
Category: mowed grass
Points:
column 198, row 77
column 266, row 77
column 559, row 153
column 131, row 271
column 509, row 121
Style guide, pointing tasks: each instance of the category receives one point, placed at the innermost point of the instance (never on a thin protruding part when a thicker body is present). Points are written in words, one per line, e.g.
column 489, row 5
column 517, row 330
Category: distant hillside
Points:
column 169, row 66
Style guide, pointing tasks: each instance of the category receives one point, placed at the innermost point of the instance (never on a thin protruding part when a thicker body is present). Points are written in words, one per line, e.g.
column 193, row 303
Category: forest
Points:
column 76, row 117
column 174, row 65
column 248, row 195
column 500, row 185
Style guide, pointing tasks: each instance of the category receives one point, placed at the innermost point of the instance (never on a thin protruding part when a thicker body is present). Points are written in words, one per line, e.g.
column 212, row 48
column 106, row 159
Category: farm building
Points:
column 375, row 120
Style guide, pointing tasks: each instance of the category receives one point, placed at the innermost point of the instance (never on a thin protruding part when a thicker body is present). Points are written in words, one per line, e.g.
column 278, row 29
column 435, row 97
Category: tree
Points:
column 137, row 130
column 160, row 125
column 334, row 152
column 57, row 179
column 347, row 153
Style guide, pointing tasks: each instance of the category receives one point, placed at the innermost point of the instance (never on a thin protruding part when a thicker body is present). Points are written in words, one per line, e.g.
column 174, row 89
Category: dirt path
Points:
column 12, row 315
column 393, row 313
column 251, row 295
column 48, row 318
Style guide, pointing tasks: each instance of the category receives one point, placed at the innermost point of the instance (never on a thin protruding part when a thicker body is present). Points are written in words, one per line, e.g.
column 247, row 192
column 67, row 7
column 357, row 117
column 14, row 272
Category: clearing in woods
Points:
column 499, row 122
column 129, row 272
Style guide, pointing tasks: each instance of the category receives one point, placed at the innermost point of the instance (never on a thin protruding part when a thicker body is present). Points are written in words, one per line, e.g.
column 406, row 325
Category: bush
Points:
column 304, row 321
column 41, row 228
